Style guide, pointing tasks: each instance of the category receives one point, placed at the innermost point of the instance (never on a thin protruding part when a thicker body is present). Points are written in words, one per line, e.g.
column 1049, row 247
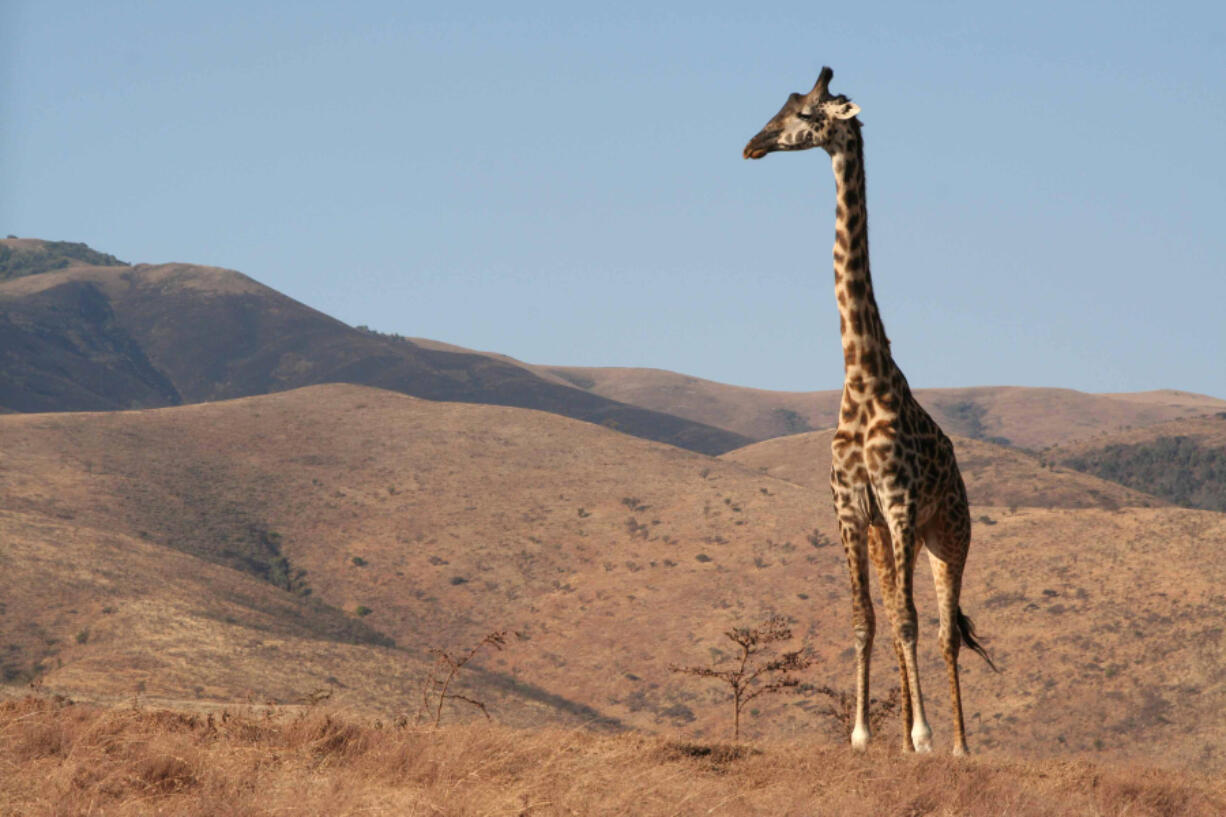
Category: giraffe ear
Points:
column 845, row 110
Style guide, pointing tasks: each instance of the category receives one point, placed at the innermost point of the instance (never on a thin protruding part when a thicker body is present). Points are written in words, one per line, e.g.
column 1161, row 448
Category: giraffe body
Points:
column 893, row 475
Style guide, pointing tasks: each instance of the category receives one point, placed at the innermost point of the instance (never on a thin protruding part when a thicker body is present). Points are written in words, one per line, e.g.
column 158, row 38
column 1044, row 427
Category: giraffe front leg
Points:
column 906, row 622
column 855, row 545
column 882, row 554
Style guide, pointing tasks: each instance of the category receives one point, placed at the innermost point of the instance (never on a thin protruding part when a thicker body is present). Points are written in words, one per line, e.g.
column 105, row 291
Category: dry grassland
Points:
column 63, row 759
column 612, row 557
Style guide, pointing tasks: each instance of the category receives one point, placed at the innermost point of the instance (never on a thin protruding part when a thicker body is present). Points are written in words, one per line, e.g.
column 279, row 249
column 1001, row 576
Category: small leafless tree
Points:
column 748, row 679
column 436, row 689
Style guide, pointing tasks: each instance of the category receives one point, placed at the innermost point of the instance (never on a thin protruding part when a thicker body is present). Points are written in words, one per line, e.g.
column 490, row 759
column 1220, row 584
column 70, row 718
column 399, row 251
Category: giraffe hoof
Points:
column 922, row 741
column 859, row 740
column 961, row 751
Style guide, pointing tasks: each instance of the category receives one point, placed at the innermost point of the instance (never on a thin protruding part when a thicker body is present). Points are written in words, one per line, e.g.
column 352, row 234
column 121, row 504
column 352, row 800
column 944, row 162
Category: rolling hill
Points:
column 262, row 547
column 80, row 331
column 1024, row 417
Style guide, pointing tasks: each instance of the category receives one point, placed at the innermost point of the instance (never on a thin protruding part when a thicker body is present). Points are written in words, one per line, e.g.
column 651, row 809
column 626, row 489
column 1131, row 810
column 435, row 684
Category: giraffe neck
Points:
column 866, row 349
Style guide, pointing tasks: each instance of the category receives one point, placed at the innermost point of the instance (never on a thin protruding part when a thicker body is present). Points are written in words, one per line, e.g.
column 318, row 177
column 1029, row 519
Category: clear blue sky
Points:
column 1047, row 181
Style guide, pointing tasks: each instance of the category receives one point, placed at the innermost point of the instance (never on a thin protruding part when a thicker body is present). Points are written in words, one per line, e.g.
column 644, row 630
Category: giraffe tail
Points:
column 967, row 628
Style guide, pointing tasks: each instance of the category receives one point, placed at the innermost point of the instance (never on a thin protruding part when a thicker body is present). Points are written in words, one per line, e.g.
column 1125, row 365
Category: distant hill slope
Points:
column 1183, row 461
column 76, row 336
column 1026, row 417
column 994, row 475
column 172, row 550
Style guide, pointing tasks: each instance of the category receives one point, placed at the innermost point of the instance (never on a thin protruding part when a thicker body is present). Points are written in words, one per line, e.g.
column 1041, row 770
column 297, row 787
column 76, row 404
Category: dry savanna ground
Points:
column 62, row 759
column 165, row 557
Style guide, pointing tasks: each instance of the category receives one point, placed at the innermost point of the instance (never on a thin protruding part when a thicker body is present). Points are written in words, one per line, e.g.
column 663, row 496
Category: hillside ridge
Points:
column 84, row 337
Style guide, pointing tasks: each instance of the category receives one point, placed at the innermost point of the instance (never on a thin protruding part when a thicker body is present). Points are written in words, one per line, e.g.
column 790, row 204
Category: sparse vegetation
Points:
column 791, row 422
column 840, row 708
column 966, row 418
column 764, row 676
column 52, row 255
column 578, row 380
column 1177, row 468
column 818, row 539
column 636, row 529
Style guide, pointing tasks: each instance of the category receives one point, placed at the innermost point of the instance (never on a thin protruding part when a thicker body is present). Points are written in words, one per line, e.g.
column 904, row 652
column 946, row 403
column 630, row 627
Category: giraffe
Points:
column 895, row 481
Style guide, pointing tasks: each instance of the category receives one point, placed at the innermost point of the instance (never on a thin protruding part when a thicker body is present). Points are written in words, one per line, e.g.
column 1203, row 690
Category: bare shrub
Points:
column 818, row 539
column 747, row 681
column 436, row 689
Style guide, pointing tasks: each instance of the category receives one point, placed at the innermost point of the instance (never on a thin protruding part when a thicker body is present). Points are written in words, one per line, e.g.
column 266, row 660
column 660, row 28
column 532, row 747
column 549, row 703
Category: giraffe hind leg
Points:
column 947, row 576
column 883, row 558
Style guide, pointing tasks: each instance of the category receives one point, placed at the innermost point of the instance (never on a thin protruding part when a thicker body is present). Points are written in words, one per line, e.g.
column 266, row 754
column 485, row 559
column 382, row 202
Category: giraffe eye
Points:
column 808, row 117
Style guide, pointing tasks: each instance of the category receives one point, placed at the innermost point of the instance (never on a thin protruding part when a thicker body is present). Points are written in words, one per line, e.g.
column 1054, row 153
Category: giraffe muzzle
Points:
column 760, row 145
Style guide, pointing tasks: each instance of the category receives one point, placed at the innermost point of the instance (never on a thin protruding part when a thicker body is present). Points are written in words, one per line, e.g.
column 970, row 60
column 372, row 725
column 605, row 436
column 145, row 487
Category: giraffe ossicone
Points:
column 894, row 478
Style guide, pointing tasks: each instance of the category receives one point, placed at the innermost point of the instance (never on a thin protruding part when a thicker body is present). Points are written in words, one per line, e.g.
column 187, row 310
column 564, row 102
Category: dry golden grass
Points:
column 63, row 759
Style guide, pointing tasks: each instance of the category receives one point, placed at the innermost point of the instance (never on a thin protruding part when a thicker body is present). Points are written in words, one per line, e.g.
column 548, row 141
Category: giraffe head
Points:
column 812, row 120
